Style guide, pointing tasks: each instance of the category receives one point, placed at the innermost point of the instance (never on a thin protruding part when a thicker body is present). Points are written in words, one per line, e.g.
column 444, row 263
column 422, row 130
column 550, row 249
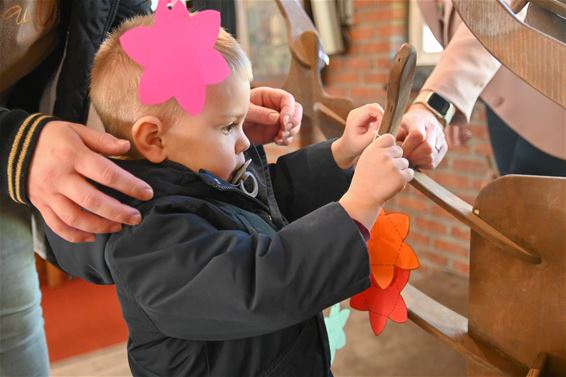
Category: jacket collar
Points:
column 173, row 179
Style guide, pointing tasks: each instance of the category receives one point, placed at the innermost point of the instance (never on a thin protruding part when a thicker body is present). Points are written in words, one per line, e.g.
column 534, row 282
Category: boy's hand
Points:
column 361, row 125
column 273, row 116
column 380, row 174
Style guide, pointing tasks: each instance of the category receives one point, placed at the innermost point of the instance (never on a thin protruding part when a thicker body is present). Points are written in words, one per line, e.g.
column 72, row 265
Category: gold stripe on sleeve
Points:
column 23, row 155
column 13, row 152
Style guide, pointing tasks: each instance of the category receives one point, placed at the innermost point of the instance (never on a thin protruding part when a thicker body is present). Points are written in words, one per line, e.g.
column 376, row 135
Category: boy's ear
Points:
column 146, row 135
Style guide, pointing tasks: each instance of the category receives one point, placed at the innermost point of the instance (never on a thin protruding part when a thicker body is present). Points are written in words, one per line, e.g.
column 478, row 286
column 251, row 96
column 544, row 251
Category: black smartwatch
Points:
column 440, row 107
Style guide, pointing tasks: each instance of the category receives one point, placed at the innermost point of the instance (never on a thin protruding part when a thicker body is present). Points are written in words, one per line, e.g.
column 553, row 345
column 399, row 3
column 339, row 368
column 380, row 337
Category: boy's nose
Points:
column 243, row 143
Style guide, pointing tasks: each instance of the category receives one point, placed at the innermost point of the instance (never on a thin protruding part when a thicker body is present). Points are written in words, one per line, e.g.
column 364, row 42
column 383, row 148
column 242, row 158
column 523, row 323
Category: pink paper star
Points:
column 177, row 55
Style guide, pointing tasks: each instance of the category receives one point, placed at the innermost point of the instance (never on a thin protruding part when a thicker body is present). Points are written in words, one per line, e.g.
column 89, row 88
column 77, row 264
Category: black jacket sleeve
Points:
column 308, row 179
column 19, row 133
column 202, row 283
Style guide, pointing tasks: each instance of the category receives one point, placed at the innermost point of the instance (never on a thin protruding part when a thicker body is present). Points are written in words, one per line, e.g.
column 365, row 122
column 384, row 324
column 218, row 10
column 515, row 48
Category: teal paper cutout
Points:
column 335, row 323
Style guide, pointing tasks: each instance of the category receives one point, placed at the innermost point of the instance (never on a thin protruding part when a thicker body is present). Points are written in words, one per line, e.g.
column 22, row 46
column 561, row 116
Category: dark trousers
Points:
column 515, row 155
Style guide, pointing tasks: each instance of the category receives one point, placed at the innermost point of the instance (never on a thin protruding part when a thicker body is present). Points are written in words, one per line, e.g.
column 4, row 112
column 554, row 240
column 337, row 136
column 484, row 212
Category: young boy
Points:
column 224, row 279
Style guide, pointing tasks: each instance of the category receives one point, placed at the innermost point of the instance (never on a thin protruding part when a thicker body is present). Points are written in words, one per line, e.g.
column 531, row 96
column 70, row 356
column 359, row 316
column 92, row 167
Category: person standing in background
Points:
column 527, row 130
column 45, row 160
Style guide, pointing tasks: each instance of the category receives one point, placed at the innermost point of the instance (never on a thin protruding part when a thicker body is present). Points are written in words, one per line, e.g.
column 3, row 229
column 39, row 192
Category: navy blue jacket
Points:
column 214, row 282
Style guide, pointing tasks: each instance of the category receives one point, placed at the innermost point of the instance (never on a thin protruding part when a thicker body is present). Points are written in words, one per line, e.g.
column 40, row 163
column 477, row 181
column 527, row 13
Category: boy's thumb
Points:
column 385, row 141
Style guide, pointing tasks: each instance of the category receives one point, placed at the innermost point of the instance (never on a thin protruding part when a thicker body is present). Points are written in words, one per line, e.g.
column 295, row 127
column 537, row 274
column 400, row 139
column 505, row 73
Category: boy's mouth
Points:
column 238, row 173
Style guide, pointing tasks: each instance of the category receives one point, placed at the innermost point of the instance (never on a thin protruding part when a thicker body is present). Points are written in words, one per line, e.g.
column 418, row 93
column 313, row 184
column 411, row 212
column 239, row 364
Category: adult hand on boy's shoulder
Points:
column 66, row 154
column 422, row 137
column 273, row 116
column 361, row 125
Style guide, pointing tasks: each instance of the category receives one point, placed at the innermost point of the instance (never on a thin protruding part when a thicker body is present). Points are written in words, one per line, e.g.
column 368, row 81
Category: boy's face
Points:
column 214, row 139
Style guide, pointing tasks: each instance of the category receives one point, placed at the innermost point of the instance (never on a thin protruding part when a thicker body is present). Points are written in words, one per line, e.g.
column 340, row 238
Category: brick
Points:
column 344, row 78
column 373, row 15
column 366, row 93
column 452, row 181
column 416, row 238
column 484, row 149
column 375, row 78
column 431, row 225
column 479, row 132
column 412, row 203
column 393, row 30
column 359, row 63
column 467, row 166
column 470, row 199
column 461, row 234
column 451, row 248
column 434, row 258
column 336, row 64
column 461, row 267
column 440, row 213
column 370, row 48
column 359, row 5
column 360, row 33
column 383, row 63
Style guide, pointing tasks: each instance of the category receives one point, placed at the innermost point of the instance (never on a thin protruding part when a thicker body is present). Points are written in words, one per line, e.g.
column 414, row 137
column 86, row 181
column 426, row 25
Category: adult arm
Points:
column 45, row 163
column 463, row 71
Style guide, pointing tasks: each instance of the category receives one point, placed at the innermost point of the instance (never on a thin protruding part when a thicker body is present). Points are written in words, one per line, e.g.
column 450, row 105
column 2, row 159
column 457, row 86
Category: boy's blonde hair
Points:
column 115, row 79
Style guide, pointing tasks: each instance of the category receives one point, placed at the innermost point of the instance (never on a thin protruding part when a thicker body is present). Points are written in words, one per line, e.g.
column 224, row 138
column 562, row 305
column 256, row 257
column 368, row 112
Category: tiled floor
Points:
column 401, row 350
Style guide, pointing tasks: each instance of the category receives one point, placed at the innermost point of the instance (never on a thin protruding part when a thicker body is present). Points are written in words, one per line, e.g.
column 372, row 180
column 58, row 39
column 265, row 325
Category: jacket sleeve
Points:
column 463, row 71
column 197, row 282
column 308, row 179
column 19, row 133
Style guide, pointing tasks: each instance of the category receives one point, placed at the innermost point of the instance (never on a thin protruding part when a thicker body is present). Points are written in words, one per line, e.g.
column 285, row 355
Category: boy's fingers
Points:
column 371, row 112
column 409, row 174
column 375, row 110
column 107, row 173
column 401, row 163
column 385, row 141
column 396, row 151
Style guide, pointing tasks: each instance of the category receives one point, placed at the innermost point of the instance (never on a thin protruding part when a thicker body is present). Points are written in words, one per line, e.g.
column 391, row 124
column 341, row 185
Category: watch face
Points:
column 438, row 103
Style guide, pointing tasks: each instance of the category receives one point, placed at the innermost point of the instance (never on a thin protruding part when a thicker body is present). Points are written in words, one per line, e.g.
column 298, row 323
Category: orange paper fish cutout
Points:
column 387, row 247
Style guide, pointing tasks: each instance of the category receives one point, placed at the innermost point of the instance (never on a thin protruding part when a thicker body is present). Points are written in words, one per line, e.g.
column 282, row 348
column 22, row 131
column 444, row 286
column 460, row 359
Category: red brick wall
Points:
column 379, row 28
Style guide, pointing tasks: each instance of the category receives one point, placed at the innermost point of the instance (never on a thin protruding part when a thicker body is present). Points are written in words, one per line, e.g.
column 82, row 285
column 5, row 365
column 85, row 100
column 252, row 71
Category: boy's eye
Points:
column 229, row 128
